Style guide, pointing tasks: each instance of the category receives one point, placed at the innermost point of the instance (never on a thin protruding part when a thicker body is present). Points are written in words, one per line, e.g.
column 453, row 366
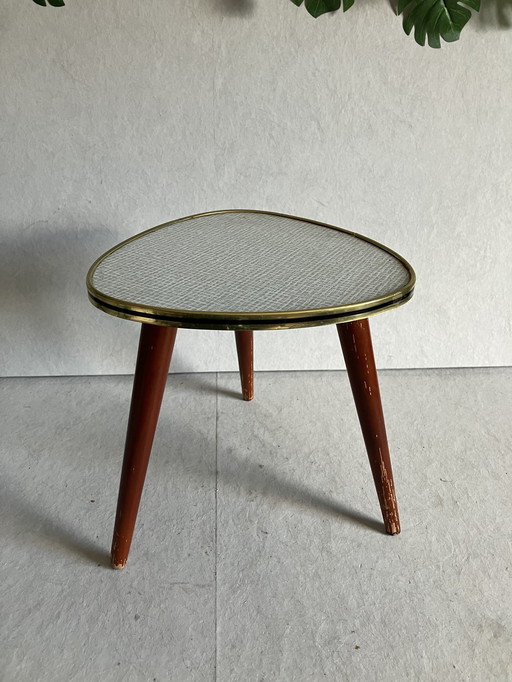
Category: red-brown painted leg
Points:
column 155, row 351
column 357, row 348
column 244, row 349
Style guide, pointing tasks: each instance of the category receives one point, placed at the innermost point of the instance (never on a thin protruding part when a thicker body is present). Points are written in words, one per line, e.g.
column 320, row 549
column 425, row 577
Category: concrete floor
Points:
column 276, row 567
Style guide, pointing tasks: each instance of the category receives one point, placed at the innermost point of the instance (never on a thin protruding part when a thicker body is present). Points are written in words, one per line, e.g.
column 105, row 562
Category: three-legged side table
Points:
column 243, row 271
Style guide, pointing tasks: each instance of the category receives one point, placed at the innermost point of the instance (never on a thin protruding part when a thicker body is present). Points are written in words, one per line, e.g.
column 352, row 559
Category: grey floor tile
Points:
column 296, row 581
column 65, row 614
column 309, row 587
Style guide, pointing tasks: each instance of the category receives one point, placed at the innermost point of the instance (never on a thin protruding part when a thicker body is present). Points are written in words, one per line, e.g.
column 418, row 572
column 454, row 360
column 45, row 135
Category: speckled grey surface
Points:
column 276, row 567
column 248, row 262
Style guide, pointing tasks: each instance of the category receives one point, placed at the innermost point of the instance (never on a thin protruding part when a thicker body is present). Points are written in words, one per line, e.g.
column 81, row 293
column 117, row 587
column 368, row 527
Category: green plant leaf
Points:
column 53, row 3
column 318, row 7
column 436, row 19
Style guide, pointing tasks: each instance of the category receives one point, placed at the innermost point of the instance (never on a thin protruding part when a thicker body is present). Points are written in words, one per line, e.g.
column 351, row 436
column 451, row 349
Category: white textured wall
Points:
column 116, row 116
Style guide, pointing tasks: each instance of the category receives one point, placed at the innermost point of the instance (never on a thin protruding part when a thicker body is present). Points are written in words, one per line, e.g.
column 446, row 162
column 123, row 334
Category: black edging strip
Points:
column 219, row 323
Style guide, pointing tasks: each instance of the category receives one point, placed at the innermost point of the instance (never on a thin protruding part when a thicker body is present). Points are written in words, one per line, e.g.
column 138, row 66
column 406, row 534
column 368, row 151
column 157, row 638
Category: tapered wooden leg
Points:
column 155, row 351
column 357, row 348
column 244, row 349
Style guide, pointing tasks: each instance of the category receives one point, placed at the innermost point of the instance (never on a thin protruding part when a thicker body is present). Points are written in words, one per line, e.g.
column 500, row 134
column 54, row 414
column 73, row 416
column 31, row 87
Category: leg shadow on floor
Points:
column 29, row 523
column 270, row 484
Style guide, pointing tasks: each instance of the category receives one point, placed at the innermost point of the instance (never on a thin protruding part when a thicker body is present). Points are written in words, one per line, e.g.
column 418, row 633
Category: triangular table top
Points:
column 244, row 269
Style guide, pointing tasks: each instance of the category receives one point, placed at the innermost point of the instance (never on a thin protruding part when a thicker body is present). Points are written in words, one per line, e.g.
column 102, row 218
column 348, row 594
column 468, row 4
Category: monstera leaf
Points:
column 53, row 3
column 432, row 19
column 436, row 19
column 318, row 7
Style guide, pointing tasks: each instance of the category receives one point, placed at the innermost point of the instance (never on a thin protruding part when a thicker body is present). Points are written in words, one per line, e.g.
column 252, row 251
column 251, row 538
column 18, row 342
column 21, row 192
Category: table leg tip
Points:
column 117, row 565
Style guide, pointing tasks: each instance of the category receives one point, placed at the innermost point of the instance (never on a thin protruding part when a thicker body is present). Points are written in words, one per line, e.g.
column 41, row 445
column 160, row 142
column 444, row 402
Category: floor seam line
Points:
column 216, row 510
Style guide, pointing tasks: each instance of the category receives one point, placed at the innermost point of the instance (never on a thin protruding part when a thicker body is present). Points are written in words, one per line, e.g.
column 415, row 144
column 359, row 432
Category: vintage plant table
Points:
column 246, row 270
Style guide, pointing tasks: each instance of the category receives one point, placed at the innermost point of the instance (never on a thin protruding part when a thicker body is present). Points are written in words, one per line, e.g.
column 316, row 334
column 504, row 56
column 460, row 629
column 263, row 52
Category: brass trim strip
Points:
column 229, row 324
column 240, row 320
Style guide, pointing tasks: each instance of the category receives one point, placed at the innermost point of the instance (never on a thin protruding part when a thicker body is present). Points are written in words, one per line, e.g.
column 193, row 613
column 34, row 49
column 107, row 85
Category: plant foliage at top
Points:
column 430, row 19
column 318, row 7
column 436, row 19
column 53, row 3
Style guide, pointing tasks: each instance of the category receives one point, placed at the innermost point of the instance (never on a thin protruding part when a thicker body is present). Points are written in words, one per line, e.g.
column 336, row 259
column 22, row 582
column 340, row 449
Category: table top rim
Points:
column 249, row 320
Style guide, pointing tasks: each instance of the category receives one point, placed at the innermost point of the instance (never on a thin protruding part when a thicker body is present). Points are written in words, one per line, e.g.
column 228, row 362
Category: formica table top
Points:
column 242, row 269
